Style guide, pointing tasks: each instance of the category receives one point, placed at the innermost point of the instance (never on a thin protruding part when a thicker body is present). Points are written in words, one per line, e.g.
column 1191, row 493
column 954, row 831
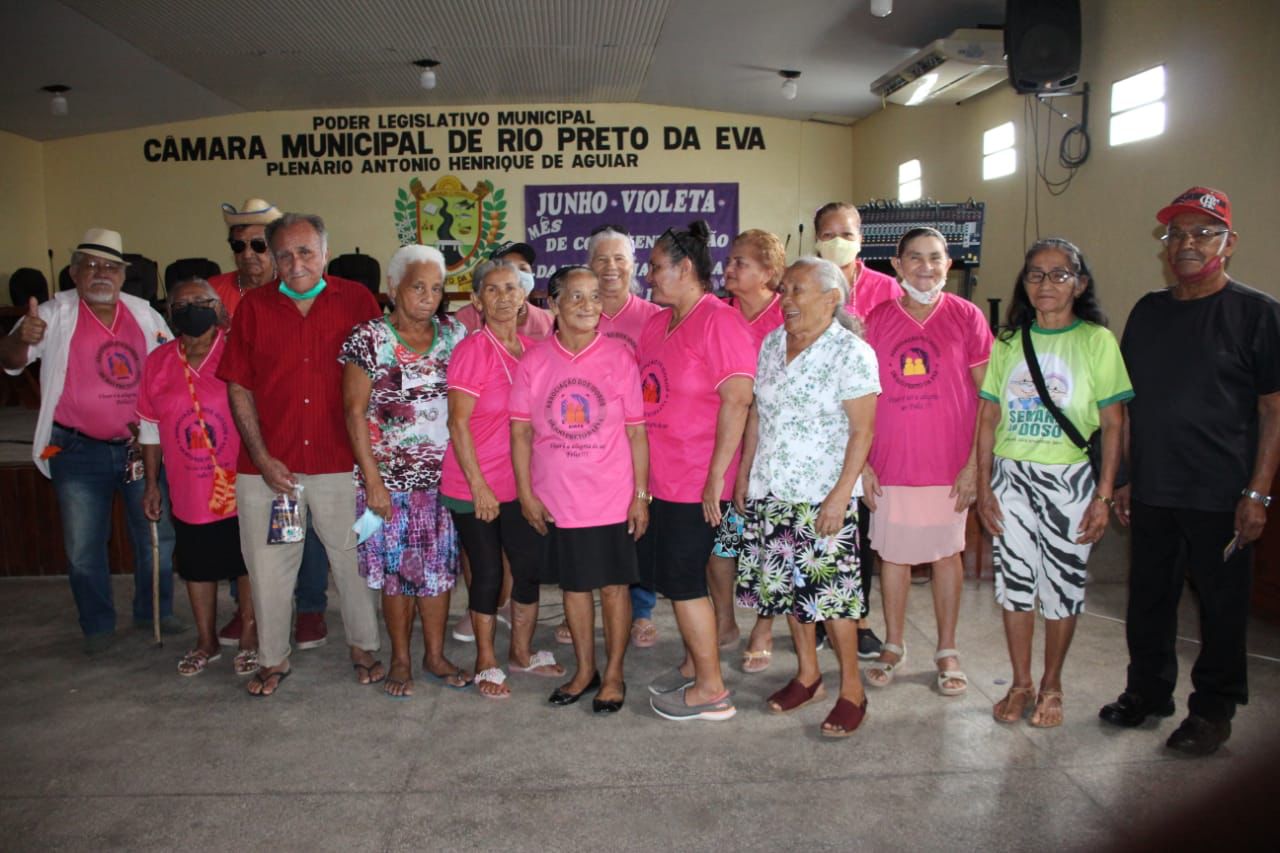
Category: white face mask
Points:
column 924, row 297
column 838, row 250
column 526, row 281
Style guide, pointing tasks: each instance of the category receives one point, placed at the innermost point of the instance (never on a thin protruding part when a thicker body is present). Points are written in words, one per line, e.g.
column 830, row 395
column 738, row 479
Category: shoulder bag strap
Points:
column 1033, row 365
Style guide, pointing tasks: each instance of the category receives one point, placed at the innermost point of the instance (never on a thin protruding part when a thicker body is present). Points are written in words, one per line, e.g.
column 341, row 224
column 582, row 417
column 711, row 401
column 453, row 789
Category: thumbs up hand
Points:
column 32, row 329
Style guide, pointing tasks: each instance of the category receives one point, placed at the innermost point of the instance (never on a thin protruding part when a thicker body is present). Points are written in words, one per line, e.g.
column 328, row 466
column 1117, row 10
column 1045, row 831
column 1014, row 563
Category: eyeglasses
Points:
column 257, row 244
column 109, row 267
column 194, row 303
column 1199, row 236
column 1057, row 276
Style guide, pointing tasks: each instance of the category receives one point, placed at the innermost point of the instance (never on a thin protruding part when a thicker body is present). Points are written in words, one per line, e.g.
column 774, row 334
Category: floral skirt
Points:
column 416, row 552
column 784, row 568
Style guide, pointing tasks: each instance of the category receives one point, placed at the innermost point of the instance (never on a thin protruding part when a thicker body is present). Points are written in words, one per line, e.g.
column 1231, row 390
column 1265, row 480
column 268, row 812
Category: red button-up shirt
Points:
column 289, row 362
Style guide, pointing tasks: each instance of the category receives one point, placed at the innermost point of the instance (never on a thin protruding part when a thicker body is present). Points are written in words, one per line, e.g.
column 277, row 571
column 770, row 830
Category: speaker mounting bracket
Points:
column 1082, row 93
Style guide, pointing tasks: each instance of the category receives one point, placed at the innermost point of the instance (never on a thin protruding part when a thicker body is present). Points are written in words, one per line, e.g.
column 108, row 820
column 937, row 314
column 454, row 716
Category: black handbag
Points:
column 1091, row 445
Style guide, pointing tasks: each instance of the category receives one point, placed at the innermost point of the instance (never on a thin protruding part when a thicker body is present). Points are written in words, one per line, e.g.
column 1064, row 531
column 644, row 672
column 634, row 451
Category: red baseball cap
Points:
column 1204, row 200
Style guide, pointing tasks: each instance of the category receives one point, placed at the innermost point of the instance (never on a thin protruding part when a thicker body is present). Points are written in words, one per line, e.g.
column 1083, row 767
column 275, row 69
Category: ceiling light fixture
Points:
column 427, row 79
column 58, row 105
column 789, row 86
column 882, row 8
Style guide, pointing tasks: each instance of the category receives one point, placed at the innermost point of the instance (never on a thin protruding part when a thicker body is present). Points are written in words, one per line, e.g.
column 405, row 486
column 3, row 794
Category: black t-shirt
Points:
column 1198, row 367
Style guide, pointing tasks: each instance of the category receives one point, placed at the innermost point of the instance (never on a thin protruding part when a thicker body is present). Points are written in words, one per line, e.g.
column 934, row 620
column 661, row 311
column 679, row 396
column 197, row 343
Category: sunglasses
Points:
column 257, row 244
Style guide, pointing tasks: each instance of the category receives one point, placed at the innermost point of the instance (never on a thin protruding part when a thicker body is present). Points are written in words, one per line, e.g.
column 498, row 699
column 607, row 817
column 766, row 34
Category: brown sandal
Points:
column 1048, row 700
column 844, row 718
column 1013, row 707
column 795, row 695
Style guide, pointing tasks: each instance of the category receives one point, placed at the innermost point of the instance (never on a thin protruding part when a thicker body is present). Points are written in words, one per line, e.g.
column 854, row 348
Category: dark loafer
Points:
column 1198, row 736
column 609, row 706
column 564, row 697
column 1132, row 710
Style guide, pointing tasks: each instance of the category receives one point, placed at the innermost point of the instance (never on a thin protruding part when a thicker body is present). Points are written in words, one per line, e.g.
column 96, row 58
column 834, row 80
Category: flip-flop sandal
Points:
column 246, row 662
column 492, row 675
column 444, row 679
column 757, row 661
column 644, row 634
column 392, row 682
column 846, row 717
column 1015, row 705
column 536, row 660
column 563, row 637
column 261, row 680
column 795, row 695
column 195, row 661
column 950, row 674
column 368, row 673
column 1042, row 702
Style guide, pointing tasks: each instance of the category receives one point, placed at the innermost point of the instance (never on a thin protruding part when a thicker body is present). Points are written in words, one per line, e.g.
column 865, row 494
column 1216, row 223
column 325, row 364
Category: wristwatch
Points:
column 1265, row 500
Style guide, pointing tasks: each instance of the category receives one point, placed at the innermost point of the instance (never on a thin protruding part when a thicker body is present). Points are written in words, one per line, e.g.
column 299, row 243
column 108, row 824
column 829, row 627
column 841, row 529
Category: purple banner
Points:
column 559, row 218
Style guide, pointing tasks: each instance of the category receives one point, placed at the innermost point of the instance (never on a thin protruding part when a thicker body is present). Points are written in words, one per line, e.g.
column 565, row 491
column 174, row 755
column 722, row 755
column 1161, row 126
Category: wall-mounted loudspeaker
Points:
column 1042, row 44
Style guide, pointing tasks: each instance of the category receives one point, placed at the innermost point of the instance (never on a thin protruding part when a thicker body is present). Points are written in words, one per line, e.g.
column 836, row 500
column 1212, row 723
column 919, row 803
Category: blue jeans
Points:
column 311, row 594
column 642, row 602
column 86, row 476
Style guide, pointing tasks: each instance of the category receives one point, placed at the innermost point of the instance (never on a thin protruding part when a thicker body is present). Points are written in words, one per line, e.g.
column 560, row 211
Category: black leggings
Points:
column 484, row 542
column 866, row 556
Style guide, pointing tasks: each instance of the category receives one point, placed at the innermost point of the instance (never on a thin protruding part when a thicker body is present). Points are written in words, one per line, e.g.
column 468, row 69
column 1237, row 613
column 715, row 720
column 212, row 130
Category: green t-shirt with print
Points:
column 1083, row 371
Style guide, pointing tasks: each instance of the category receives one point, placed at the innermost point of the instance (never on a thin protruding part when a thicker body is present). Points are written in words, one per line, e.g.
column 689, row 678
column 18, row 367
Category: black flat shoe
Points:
column 609, row 706
column 1198, row 736
column 564, row 697
column 1132, row 710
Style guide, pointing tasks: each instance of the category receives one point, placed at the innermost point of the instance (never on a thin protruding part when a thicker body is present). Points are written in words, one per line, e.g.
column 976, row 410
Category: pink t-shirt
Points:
column 680, row 374
column 870, row 290
column 482, row 367
column 765, row 322
column 628, row 323
column 928, row 402
column 166, row 402
column 579, row 407
column 104, row 369
column 538, row 322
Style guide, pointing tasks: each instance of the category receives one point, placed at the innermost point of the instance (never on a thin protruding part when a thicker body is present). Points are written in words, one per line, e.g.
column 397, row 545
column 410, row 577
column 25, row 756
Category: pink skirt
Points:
column 916, row 524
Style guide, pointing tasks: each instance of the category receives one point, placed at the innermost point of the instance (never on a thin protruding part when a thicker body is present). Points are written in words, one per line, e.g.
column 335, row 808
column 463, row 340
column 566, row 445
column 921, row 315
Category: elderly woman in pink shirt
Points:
column 697, row 363
column 579, row 449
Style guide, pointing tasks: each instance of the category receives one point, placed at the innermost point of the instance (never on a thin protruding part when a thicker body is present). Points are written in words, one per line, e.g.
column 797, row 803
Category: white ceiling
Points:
column 132, row 63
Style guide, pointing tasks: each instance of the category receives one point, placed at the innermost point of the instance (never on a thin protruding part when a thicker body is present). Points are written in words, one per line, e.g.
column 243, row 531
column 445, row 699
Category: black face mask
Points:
column 194, row 320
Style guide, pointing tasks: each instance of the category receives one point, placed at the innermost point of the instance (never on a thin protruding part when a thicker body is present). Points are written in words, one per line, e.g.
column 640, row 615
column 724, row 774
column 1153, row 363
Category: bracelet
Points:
column 1265, row 500
column 642, row 495
column 1110, row 502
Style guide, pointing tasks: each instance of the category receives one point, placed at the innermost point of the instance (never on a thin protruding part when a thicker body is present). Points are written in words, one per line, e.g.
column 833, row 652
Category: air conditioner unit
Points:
column 956, row 67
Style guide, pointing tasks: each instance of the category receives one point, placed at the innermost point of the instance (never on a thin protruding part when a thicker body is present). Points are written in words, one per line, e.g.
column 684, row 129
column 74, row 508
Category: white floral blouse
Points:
column 803, row 428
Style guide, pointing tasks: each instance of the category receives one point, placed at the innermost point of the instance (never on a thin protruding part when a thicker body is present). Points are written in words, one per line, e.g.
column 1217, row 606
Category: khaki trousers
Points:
column 330, row 501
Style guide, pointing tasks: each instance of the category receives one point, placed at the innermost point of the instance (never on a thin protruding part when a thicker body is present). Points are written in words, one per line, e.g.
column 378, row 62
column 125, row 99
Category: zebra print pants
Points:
column 1037, row 557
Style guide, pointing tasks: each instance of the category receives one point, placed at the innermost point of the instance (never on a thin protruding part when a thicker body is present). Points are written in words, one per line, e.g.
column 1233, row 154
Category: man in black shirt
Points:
column 1204, row 441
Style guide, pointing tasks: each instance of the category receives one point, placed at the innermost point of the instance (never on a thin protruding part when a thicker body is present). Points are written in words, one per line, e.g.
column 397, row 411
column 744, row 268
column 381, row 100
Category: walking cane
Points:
column 155, row 582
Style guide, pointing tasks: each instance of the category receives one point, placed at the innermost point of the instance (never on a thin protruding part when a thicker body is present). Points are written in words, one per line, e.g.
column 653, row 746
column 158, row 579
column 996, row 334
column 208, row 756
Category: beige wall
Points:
column 22, row 208
column 1222, row 126
column 170, row 210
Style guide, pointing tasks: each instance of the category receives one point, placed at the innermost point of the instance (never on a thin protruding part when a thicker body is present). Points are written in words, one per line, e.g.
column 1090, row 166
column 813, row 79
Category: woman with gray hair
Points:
column 807, row 438
column 393, row 389
column 479, row 483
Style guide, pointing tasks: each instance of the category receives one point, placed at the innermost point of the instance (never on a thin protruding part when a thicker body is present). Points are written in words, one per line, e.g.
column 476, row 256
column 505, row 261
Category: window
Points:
column 909, row 186
column 998, row 158
column 1137, row 107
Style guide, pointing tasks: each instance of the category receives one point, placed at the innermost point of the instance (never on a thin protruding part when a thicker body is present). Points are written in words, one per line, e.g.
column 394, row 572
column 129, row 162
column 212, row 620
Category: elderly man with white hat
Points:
column 92, row 342
column 247, row 236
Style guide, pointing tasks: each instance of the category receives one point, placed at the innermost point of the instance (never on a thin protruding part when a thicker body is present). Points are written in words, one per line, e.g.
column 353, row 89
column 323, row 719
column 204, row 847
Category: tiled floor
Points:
column 121, row 753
